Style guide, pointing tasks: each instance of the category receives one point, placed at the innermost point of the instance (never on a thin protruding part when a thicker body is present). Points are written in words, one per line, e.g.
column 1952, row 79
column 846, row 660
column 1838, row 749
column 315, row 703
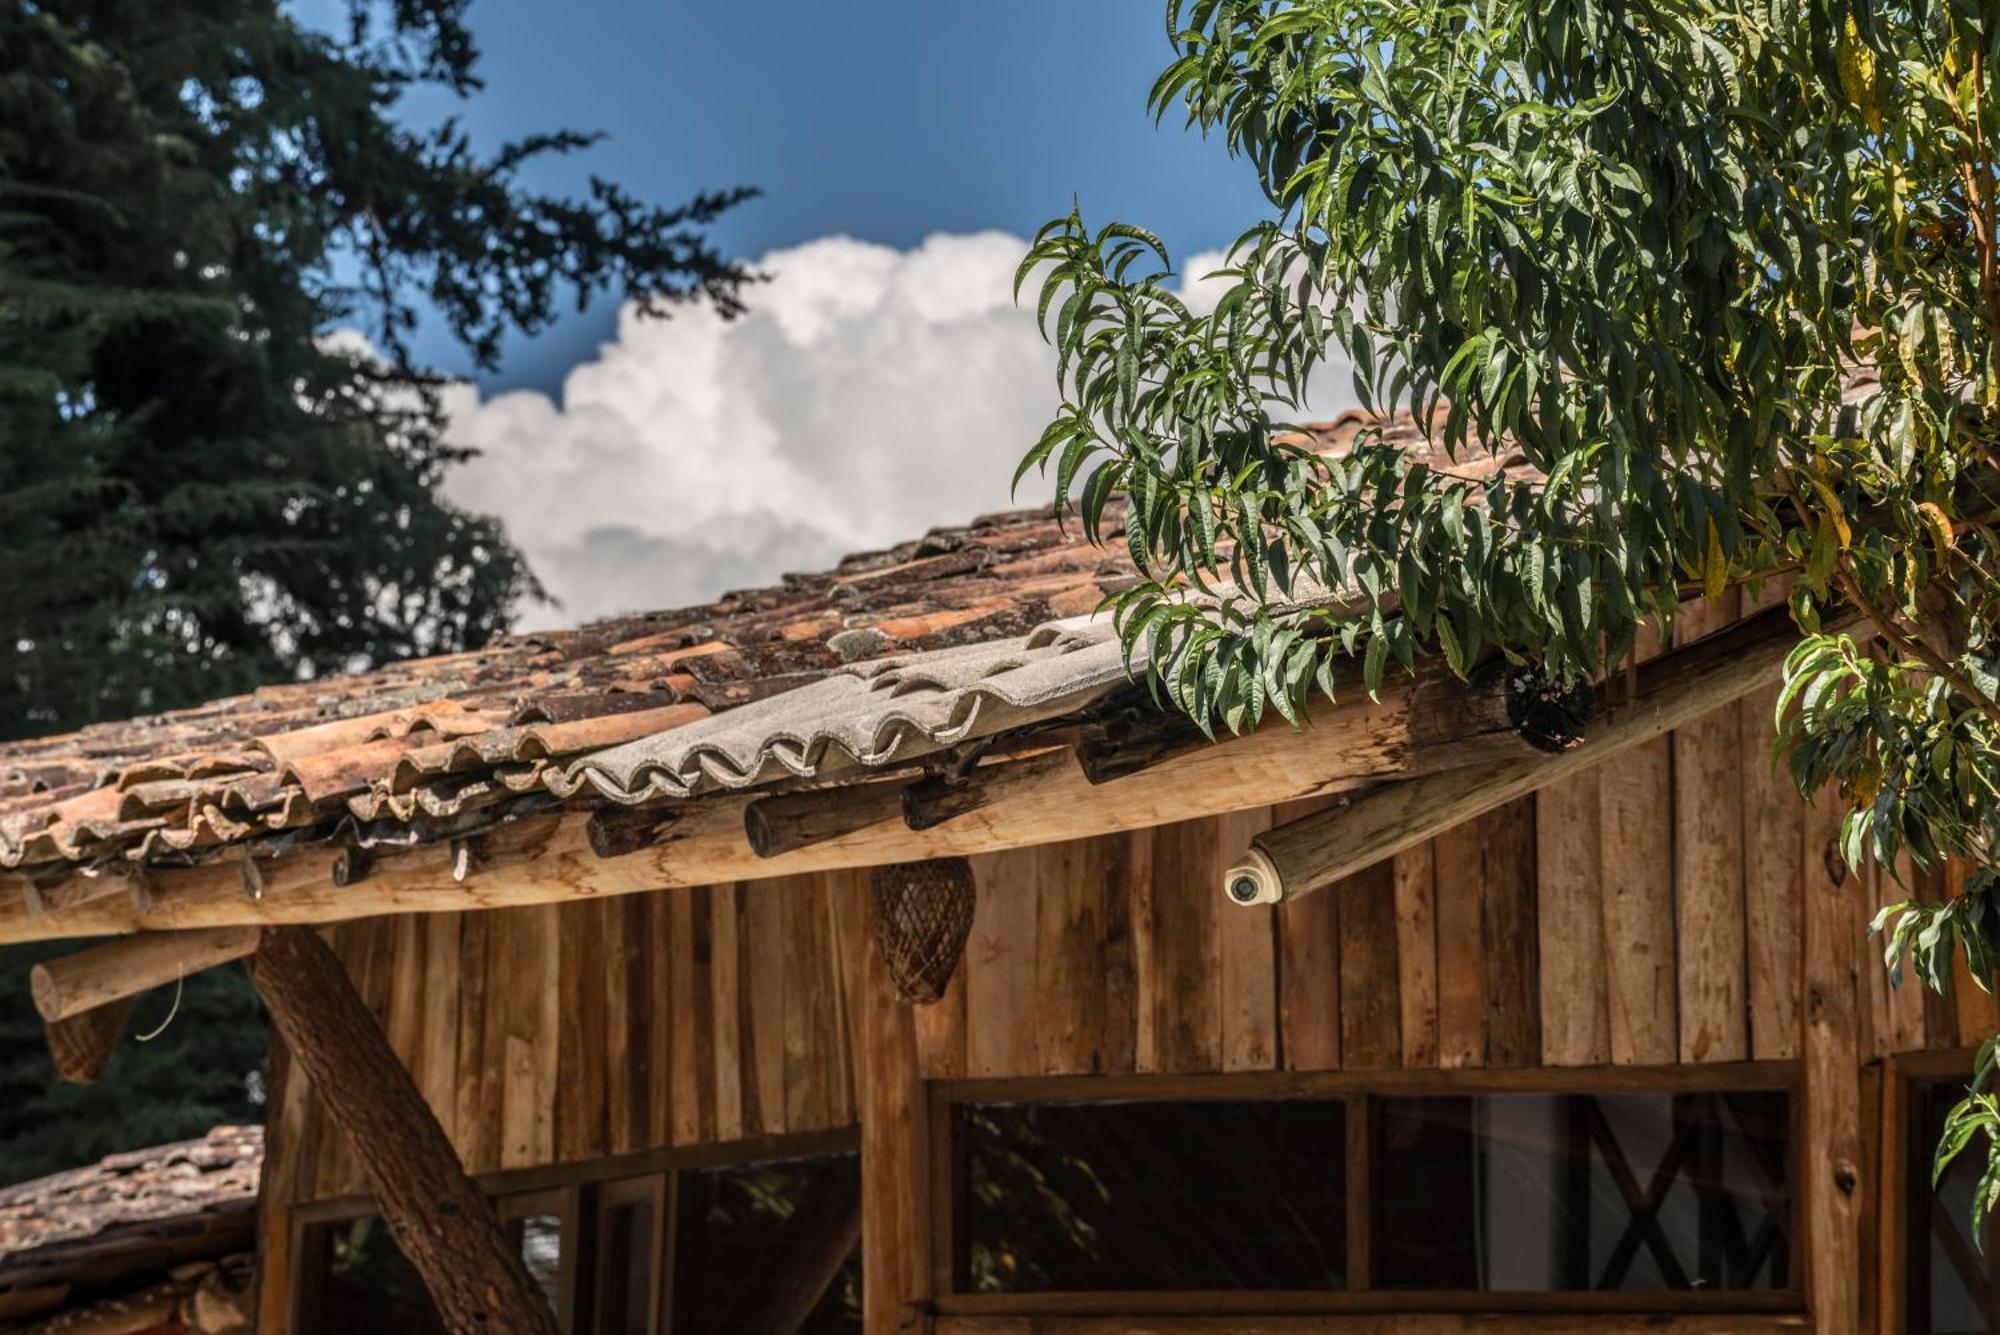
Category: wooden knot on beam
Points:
column 1548, row 714
column 923, row 917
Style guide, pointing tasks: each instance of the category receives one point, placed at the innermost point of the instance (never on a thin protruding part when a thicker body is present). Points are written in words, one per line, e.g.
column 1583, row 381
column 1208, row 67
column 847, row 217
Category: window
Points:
column 1543, row 1193
column 722, row 1249
column 1110, row 1196
column 364, row 1283
column 1952, row 1272
column 1659, row 1196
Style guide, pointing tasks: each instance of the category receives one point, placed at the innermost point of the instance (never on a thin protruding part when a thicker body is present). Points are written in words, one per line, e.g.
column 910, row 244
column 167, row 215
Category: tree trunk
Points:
column 445, row 1226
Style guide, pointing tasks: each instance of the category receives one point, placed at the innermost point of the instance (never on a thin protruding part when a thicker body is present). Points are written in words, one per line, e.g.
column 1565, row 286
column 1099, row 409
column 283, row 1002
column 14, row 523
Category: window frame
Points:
column 579, row 1192
column 1357, row 1089
column 1905, row 1153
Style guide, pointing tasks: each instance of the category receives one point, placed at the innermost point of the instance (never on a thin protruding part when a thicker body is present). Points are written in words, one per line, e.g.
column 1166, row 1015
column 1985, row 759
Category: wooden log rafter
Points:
column 1318, row 850
column 82, row 1045
column 119, row 970
column 443, row 1223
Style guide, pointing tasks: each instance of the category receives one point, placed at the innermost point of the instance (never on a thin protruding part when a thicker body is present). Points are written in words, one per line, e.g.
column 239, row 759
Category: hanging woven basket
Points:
column 923, row 915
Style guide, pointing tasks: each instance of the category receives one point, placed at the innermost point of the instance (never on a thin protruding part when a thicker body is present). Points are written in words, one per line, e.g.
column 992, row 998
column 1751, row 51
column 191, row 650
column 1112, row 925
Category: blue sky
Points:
column 887, row 121
column 884, row 381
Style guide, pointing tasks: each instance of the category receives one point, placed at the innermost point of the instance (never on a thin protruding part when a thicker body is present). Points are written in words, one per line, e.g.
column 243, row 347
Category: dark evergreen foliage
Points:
column 197, row 493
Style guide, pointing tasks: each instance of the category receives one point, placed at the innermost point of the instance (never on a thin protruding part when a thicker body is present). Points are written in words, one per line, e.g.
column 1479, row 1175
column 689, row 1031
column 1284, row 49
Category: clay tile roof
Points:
column 670, row 703
column 141, row 1188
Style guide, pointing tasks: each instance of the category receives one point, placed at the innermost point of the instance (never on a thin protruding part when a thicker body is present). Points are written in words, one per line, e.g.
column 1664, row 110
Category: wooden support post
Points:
column 445, row 1226
column 1835, row 1195
column 83, row 1044
column 65, row 988
column 1315, row 851
column 895, row 1162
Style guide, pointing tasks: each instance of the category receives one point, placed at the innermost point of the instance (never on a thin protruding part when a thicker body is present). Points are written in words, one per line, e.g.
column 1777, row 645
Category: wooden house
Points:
column 1574, row 1033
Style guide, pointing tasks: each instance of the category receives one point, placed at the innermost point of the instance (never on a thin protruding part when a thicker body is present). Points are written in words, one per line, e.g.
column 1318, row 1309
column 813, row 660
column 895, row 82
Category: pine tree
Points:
column 200, row 493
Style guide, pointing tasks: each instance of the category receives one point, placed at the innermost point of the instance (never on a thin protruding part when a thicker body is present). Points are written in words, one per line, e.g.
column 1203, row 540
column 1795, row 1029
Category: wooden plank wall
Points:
column 1645, row 912
column 564, row 1033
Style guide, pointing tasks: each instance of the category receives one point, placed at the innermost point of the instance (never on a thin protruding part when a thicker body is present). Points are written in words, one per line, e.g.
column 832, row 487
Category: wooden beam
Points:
column 1315, row 851
column 81, row 1046
column 895, row 1160
column 443, row 1223
column 787, row 822
column 1351, row 1323
column 65, row 988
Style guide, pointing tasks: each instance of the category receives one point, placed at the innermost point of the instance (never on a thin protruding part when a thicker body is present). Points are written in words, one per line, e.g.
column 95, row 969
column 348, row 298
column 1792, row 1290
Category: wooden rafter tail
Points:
column 81, row 1046
column 1315, row 851
column 75, row 984
column 787, row 822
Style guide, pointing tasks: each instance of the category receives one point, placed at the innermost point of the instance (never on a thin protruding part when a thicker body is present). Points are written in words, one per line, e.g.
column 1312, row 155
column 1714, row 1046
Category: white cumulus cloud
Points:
column 869, row 394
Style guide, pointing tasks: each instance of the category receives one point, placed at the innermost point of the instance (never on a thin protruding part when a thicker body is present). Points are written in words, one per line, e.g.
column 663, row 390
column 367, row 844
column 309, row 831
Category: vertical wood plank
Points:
column 653, row 964
column 1117, row 960
column 1186, row 1000
column 847, row 928
column 940, row 1029
column 1246, row 955
column 895, row 1162
column 1370, row 1005
column 810, row 1017
column 582, row 1130
column 691, row 1054
column 437, row 1038
column 764, row 1027
column 278, row 1186
column 1000, row 960
column 1835, row 1193
column 1145, row 959
column 1069, row 939
column 1309, row 980
column 474, row 932
column 1507, row 902
column 1417, row 952
column 1708, row 884
column 626, row 1015
column 1773, row 829
column 726, row 1005
column 527, row 1094
column 403, row 1024
column 1569, row 855
column 500, row 987
column 1459, row 863
column 1636, row 792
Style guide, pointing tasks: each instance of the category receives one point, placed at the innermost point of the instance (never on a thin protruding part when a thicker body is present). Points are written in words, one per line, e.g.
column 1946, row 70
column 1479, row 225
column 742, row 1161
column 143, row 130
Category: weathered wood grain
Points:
column 1636, row 792
column 1569, row 859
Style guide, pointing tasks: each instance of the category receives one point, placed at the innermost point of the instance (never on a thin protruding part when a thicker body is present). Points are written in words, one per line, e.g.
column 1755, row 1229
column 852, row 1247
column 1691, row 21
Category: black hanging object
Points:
column 1549, row 715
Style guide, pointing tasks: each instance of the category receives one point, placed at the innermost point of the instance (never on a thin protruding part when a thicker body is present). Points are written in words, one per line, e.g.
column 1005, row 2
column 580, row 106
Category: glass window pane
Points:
column 771, row 1246
column 366, row 1284
column 1953, row 1289
column 1536, row 1192
column 625, row 1248
column 1187, row 1195
column 539, row 1237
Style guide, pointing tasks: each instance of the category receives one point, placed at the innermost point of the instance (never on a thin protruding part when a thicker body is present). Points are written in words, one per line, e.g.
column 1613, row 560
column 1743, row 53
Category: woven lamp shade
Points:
column 923, row 915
